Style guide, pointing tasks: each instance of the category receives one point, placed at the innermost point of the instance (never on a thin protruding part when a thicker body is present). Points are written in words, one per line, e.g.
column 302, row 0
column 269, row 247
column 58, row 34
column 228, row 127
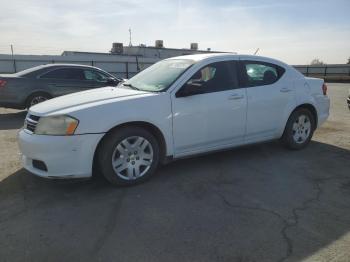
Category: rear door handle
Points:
column 235, row 97
column 285, row 90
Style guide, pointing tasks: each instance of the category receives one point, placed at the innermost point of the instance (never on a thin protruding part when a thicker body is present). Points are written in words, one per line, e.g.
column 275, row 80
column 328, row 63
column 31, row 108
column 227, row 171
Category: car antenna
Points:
column 257, row 50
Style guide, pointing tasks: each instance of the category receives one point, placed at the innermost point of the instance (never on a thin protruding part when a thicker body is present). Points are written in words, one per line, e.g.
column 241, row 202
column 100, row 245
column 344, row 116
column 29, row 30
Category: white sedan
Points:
column 176, row 108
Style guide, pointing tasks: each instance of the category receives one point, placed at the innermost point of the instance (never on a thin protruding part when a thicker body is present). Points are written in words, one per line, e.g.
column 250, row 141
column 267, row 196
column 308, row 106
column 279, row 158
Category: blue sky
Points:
column 293, row 31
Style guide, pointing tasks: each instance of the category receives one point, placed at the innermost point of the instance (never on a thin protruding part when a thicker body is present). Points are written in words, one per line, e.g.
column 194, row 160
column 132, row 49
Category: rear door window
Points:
column 65, row 73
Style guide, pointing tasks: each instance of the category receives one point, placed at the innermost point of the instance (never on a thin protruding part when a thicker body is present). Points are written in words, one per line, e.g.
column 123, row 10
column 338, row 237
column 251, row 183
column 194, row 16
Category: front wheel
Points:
column 299, row 129
column 36, row 98
column 128, row 156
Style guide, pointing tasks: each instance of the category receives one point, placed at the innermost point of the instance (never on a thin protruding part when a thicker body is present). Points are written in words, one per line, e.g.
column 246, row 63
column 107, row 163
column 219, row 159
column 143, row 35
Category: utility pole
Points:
column 14, row 61
column 12, row 50
column 130, row 44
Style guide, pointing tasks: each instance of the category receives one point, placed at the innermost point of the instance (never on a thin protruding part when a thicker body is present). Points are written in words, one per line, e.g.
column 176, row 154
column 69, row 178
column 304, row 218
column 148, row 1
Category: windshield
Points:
column 159, row 76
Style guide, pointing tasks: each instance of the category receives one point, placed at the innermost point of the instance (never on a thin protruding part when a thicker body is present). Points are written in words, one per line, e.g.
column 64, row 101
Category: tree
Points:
column 316, row 61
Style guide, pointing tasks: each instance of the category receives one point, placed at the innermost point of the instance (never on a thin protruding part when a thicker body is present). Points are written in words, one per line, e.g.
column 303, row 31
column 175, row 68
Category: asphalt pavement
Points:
column 255, row 203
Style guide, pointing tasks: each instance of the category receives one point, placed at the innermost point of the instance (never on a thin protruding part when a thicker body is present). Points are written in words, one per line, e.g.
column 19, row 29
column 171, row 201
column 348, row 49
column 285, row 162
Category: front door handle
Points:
column 235, row 97
column 285, row 90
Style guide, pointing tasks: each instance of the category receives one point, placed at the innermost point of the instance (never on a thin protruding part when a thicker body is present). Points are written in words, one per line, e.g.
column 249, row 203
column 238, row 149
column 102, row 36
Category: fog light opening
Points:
column 39, row 165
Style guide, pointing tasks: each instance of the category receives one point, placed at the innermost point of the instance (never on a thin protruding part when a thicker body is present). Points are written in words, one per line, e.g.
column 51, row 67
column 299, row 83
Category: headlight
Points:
column 56, row 125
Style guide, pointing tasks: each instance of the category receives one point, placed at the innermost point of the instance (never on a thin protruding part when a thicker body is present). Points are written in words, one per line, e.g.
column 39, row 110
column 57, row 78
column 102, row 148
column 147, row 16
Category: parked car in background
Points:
column 32, row 86
column 176, row 108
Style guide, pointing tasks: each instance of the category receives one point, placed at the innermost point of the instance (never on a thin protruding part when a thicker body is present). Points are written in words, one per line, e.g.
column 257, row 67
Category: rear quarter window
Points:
column 257, row 73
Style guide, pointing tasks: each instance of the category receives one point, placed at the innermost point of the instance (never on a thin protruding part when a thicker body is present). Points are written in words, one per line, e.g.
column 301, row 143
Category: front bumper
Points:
column 64, row 156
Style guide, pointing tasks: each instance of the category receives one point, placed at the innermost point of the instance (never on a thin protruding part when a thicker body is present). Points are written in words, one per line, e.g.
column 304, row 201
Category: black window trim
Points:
column 243, row 76
column 232, row 66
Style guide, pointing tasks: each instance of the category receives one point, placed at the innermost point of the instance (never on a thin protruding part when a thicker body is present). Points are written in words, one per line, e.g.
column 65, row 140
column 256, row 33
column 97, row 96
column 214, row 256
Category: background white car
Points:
column 178, row 107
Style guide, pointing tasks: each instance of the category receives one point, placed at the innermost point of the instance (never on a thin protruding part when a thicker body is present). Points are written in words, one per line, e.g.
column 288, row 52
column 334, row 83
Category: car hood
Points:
column 85, row 98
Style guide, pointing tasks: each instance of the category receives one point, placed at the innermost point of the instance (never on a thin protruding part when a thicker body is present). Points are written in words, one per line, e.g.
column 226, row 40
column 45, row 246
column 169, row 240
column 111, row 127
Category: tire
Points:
column 123, row 162
column 299, row 129
column 36, row 98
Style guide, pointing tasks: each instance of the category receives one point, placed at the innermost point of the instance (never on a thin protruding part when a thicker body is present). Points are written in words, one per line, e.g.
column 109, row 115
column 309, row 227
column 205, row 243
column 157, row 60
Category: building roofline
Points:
column 176, row 49
column 141, row 47
column 94, row 53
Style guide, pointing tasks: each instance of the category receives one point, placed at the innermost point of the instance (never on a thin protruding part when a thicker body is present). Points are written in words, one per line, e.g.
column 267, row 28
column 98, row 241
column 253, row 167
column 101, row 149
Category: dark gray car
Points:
column 31, row 86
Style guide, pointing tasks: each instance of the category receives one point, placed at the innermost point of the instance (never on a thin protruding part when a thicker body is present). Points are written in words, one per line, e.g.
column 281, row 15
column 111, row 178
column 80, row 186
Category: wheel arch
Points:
column 309, row 107
column 154, row 130
column 35, row 92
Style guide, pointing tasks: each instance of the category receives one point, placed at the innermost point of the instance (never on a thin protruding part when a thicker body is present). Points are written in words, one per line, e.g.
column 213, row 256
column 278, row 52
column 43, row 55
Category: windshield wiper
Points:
column 131, row 86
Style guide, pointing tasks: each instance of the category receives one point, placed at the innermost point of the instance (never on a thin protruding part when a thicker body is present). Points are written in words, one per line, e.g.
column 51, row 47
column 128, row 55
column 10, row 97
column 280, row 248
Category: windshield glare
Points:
column 160, row 76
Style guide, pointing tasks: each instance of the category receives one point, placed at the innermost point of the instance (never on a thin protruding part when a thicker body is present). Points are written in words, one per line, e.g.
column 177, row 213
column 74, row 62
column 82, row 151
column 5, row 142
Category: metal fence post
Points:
column 307, row 70
column 325, row 71
column 92, row 62
column 137, row 64
column 127, row 69
column 14, row 65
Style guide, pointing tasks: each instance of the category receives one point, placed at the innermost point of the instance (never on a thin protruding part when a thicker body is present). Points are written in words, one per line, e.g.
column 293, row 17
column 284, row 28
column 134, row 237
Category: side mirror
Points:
column 190, row 89
column 112, row 81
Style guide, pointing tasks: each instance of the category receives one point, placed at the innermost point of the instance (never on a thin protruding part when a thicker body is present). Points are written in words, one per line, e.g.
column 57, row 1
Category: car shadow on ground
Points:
column 256, row 203
column 12, row 120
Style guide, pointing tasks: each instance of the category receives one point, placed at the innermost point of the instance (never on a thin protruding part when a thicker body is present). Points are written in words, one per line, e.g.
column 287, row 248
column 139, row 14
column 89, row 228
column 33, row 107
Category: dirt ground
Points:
column 256, row 203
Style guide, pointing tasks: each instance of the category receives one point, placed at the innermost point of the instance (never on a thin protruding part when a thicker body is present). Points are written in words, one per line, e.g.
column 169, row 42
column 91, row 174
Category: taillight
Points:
column 2, row 83
column 324, row 89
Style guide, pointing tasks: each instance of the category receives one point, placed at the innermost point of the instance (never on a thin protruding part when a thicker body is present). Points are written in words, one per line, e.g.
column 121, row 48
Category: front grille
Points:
column 31, row 122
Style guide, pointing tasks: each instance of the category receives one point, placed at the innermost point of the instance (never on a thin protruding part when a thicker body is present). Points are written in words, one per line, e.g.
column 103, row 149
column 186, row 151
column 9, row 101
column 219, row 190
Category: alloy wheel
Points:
column 301, row 129
column 37, row 100
column 132, row 157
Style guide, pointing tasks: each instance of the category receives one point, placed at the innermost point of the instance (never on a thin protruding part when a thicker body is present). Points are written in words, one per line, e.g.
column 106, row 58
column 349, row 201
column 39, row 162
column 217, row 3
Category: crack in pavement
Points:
column 291, row 221
column 110, row 225
column 295, row 218
column 271, row 212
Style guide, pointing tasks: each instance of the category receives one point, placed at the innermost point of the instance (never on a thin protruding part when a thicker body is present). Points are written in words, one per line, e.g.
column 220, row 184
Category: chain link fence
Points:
column 331, row 73
column 120, row 69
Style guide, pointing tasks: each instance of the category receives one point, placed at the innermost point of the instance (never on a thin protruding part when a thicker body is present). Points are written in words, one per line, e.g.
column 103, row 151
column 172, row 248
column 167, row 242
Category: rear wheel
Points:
column 128, row 156
column 36, row 98
column 299, row 129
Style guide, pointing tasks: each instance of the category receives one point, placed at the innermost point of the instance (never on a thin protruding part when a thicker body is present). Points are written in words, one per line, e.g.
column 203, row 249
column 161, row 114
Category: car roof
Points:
column 65, row 65
column 200, row 57
column 34, row 70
